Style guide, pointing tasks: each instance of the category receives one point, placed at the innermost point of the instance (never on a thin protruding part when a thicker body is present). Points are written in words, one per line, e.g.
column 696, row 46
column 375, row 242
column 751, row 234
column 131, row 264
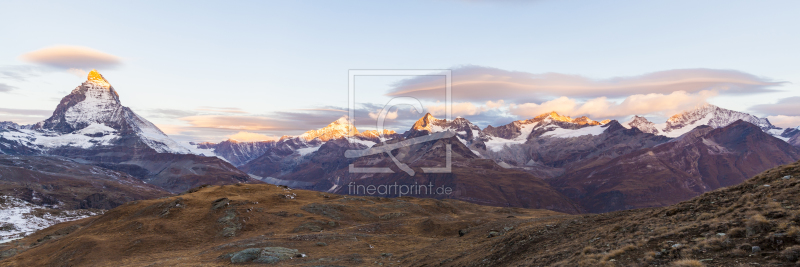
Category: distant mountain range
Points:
column 577, row 162
column 550, row 161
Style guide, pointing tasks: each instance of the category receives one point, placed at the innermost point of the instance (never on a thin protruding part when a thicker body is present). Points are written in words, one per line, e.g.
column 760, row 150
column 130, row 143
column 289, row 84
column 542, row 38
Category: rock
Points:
column 265, row 255
column 219, row 203
column 493, row 234
column 386, row 254
column 8, row 253
column 787, row 177
column 756, row 249
column 309, row 226
column 462, row 232
column 721, row 234
column 677, row 245
column 508, row 228
column 322, row 244
column 246, row 255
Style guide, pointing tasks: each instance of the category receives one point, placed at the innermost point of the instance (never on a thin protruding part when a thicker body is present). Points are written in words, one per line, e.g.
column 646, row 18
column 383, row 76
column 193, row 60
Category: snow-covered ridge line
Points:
column 707, row 114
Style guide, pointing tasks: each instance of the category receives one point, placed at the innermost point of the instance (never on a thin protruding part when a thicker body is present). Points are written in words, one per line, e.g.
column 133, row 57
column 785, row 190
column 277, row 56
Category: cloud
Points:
column 601, row 107
column 222, row 110
column 6, row 88
column 26, row 112
column 788, row 106
column 458, row 109
column 389, row 115
column 72, row 57
column 78, row 72
column 784, row 121
column 21, row 73
column 170, row 113
column 24, row 116
column 250, row 137
column 249, row 123
column 478, row 84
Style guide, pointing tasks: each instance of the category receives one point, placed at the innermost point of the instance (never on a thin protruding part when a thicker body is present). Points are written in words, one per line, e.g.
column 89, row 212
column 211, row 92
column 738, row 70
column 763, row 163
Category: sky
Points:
column 255, row 70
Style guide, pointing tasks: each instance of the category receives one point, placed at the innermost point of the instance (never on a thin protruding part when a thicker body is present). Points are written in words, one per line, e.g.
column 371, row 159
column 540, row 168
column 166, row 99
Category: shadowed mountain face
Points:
column 91, row 125
column 699, row 161
column 792, row 136
column 472, row 179
column 238, row 153
column 550, row 157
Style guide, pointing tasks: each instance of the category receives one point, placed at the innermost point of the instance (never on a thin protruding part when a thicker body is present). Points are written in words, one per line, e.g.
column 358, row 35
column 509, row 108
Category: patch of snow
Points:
column 75, row 139
column 777, row 134
column 559, row 132
column 462, row 140
column 96, row 128
column 154, row 137
column 308, row 150
column 193, row 149
column 688, row 128
column 363, row 142
column 496, row 143
column 19, row 219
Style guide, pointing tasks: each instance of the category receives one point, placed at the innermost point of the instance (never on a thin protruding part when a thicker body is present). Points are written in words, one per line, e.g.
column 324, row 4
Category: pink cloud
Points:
column 479, row 84
column 72, row 57
column 601, row 107
column 784, row 121
column 251, row 137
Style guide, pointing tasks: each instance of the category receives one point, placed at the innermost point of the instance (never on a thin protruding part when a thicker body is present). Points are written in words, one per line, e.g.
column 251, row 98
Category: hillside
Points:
column 754, row 223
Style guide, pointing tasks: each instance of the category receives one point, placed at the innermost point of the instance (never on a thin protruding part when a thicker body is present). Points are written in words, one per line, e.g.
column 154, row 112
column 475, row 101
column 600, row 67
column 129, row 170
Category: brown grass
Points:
column 687, row 263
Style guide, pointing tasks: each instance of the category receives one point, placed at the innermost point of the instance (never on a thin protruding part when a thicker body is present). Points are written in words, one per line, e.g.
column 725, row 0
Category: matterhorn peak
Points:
column 97, row 78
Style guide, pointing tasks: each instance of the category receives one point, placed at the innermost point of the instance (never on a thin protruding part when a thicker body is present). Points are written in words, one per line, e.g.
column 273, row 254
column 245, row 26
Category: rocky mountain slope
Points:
column 701, row 160
column 791, row 136
column 235, row 152
column 550, row 157
column 545, row 125
column 753, row 223
column 58, row 182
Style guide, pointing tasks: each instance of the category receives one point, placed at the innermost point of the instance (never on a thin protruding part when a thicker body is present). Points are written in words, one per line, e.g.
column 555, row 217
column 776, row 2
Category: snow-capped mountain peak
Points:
column 712, row 116
column 371, row 134
column 425, row 123
column 642, row 124
column 97, row 78
column 92, row 115
column 338, row 129
column 554, row 116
